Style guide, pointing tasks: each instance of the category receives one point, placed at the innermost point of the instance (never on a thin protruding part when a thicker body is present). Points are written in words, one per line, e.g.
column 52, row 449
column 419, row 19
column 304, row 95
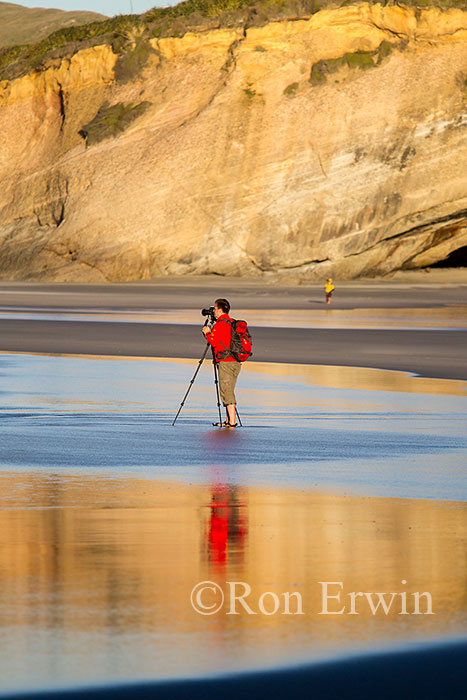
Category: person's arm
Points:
column 209, row 334
column 219, row 337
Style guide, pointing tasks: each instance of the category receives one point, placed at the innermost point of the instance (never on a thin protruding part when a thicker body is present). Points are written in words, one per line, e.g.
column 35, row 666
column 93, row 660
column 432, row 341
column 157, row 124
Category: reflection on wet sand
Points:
column 438, row 317
column 155, row 369
column 360, row 378
column 97, row 574
column 227, row 528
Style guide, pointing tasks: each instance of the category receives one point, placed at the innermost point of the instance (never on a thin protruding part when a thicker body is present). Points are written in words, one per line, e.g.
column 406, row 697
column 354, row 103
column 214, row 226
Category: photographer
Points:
column 228, row 367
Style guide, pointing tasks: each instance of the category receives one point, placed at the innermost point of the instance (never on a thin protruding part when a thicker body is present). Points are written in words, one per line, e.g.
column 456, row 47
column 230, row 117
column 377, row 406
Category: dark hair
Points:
column 223, row 304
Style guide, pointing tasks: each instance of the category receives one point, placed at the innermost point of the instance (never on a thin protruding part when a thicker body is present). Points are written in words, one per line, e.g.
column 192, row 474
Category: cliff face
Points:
column 329, row 145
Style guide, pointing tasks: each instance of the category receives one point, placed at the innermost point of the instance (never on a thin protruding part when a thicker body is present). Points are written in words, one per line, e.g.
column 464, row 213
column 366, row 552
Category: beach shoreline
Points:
column 423, row 276
column 417, row 352
column 106, row 490
column 437, row 352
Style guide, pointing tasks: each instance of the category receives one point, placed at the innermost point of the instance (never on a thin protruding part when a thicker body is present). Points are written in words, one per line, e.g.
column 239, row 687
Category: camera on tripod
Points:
column 210, row 317
column 210, row 314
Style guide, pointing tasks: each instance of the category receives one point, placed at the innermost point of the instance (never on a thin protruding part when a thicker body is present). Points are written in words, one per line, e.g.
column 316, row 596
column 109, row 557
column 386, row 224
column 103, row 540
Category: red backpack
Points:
column 240, row 341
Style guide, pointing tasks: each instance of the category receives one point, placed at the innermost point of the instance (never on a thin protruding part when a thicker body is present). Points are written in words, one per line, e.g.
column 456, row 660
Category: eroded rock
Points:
column 241, row 161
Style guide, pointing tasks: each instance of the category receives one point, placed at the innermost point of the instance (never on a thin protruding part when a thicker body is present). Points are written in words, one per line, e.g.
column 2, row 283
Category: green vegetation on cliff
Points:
column 132, row 58
column 191, row 15
column 358, row 59
column 111, row 121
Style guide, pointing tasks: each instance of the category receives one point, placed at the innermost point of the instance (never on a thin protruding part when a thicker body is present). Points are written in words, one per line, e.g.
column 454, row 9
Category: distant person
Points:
column 328, row 289
column 228, row 367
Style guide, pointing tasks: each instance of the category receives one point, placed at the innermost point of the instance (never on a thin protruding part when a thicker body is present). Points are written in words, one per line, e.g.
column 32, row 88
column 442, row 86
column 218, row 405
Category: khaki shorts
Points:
column 228, row 373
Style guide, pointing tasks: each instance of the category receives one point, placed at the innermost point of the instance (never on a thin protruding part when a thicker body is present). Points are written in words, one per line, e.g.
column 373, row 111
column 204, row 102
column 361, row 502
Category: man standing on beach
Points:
column 229, row 368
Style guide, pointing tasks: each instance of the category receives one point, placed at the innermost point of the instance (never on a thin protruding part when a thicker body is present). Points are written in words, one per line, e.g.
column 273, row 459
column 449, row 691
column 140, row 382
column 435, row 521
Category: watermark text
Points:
column 238, row 597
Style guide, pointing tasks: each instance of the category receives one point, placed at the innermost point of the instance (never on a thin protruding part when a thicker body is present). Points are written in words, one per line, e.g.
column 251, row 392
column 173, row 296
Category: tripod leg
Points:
column 191, row 383
column 238, row 416
column 216, row 382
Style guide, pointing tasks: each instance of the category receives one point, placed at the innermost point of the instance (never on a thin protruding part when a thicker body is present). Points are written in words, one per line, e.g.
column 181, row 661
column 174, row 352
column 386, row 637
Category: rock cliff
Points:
column 332, row 144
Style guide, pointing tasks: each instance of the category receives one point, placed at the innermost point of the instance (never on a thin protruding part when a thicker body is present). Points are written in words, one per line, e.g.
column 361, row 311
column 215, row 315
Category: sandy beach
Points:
column 405, row 290
column 349, row 469
column 32, row 320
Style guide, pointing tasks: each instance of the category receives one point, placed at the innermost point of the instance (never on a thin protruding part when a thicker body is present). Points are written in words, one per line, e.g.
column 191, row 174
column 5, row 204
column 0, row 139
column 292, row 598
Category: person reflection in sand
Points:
column 227, row 528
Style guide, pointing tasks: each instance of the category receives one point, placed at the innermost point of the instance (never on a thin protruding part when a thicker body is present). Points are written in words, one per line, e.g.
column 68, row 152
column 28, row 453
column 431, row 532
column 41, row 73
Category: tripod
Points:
column 216, row 382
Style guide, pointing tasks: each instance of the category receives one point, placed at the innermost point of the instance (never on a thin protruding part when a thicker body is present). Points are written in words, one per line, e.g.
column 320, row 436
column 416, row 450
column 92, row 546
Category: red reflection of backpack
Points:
column 240, row 341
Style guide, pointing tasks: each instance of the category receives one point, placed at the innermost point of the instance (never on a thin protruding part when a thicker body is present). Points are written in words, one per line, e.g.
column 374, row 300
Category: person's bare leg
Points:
column 231, row 413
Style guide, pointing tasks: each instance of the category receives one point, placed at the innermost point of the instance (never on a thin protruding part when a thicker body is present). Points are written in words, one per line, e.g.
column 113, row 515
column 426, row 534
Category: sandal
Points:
column 225, row 424
column 231, row 425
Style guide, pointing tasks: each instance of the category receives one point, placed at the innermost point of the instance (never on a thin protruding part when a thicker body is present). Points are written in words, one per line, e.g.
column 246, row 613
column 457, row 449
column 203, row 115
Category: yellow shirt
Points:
column 329, row 287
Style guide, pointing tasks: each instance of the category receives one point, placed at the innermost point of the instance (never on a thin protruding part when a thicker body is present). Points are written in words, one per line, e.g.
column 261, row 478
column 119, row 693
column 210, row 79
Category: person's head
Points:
column 329, row 279
column 221, row 306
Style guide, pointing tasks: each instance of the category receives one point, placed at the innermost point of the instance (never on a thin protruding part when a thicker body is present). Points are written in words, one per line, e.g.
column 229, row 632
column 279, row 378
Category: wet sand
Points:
column 109, row 515
column 356, row 431
column 428, row 353
column 198, row 292
column 432, row 352
column 98, row 571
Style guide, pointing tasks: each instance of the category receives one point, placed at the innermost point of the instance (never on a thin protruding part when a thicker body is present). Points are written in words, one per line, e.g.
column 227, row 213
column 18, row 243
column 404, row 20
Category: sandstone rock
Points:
column 231, row 170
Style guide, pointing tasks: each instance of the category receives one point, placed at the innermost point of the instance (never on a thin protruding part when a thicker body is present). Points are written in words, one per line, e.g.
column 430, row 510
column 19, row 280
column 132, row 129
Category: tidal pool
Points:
column 110, row 516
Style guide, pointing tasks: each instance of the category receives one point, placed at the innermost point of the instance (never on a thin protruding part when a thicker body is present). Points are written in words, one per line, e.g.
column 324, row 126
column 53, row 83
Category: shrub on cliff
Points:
column 111, row 121
column 132, row 59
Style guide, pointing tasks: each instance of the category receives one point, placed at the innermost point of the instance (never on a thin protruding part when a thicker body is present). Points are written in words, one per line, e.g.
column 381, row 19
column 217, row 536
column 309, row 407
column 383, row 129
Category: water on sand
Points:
column 110, row 516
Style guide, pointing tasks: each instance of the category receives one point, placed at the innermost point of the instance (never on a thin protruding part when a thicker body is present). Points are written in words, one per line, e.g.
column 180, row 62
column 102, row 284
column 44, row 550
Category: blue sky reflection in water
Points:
column 109, row 515
column 395, row 436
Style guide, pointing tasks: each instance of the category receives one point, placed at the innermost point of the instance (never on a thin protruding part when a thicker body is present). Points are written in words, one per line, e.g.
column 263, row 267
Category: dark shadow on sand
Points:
column 438, row 672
